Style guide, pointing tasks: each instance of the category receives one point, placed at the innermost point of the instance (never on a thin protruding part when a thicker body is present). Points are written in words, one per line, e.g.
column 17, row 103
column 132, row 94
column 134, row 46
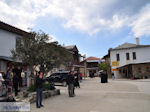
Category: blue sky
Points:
column 94, row 26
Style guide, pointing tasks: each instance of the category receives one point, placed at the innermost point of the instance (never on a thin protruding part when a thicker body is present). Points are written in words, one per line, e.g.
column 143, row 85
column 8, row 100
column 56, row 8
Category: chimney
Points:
column 137, row 41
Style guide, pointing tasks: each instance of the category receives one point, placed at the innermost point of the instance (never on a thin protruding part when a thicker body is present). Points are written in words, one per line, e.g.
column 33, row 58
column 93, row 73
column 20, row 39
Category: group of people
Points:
column 14, row 79
column 73, row 81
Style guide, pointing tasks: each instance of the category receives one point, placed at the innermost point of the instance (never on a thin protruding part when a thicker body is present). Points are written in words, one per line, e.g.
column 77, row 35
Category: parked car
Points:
column 59, row 78
column 5, row 95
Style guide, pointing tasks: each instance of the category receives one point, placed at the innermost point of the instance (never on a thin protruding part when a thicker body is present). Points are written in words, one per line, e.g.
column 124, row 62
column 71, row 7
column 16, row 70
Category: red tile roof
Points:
column 92, row 58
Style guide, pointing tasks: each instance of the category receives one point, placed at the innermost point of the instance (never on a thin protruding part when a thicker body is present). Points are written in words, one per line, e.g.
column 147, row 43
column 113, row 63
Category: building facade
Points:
column 91, row 66
column 9, row 39
column 75, row 63
column 130, row 61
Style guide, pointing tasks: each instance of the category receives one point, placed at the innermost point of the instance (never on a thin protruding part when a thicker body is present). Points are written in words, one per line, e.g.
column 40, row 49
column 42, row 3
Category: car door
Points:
column 64, row 76
column 54, row 76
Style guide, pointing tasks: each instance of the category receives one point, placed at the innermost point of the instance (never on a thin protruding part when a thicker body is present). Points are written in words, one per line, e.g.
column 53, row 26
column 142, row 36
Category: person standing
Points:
column 104, row 77
column 113, row 76
column 81, row 77
column 76, row 76
column 19, row 76
column 39, row 89
column 70, row 81
column 15, row 83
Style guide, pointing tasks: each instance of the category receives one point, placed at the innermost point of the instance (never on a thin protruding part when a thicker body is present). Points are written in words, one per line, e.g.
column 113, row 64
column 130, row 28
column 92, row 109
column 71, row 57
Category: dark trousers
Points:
column 16, row 89
column 20, row 82
column 77, row 84
column 71, row 90
column 39, row 93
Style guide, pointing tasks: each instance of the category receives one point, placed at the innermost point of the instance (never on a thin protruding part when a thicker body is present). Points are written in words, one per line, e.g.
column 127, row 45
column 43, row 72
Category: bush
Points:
column 32, row 88
column 46, row 86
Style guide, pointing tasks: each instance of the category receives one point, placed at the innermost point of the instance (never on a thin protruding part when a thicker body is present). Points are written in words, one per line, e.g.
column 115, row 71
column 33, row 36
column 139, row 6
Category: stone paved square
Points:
column 116, row 96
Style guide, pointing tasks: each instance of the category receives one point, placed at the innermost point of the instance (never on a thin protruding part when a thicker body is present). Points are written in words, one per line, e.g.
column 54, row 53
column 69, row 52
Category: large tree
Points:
column 35, row 50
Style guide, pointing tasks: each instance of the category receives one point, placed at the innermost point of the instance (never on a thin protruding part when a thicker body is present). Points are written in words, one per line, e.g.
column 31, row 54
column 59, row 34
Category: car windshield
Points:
column 54, row 74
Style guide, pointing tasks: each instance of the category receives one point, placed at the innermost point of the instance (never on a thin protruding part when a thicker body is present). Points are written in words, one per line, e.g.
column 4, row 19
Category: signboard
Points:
column 115, row 63
column 115, row 69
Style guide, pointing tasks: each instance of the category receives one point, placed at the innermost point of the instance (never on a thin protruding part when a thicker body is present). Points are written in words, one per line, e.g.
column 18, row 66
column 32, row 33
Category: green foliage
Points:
column 35, row 50
column 46, row 86
column 31, row 88
column 103, row 66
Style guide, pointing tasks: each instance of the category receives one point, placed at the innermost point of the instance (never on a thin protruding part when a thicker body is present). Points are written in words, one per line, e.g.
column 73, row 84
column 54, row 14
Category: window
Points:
column 127, row 56
column 139, row 70
column 148, row 69
column 134, row 55
column 118, row 57
column 18, row 41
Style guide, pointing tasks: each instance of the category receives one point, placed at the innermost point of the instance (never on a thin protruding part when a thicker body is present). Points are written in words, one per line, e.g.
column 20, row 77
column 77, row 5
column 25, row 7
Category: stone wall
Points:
column 31, row 97
column 141, row 70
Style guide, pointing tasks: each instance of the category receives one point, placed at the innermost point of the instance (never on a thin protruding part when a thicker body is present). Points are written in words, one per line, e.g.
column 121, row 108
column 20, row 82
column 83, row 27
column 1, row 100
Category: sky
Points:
column 93, row 26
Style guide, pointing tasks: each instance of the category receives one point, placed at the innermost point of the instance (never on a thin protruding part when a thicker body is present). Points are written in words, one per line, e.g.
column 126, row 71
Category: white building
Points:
column 131, row 60
column 9, row 39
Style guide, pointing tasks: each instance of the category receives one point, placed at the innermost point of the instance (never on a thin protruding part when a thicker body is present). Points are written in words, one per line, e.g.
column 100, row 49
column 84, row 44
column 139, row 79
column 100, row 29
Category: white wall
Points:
column 7, row 42
column 142, row 56
column 3, row 66
column 116, row 74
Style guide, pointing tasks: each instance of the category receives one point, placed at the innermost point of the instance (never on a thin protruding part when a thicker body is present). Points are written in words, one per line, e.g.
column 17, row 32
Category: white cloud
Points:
column 17, row 15
column 89, row 16
column 118, row 22
column 141, row 26
column 52, row 38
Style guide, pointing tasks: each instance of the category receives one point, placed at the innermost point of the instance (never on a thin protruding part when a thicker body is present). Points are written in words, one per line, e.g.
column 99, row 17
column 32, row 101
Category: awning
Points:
column 9, row 59
column 93, row 68
column 79, row 66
